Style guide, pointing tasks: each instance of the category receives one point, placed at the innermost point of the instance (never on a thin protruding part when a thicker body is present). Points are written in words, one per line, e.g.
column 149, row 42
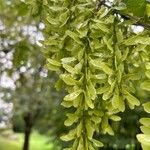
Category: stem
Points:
column 27, row 138
column 85, row 83
column 136, row 19
column 84, row 113
column 27, row 131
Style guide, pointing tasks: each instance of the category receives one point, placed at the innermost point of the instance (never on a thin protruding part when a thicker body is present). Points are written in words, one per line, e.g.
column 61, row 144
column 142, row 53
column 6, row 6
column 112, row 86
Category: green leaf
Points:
column 53, row 21
column 63, row 18
column 98, row 113
column 147, row 65
column 79, row 129
column 144, row 139
column 67, row 148
column 145, row 147
column 107, row 95
column 89, row 129
column 96, row 119
column 120, row 72
column 78, row 101
column 125, row 54
column 119, row 35
column 74, row 36
column 115, row 118
column 91, row 147
column 68, row 79
column 83, row 32
column 59, row 84
column 80, row 55
column 81, row 144
column 69, row 69
column 91, row 90
column 106, row 69
column 70, row 136
column 54, row 62
column 118, row 55
column 88, row 99
column 146, row 85
column 52, row 67
column 137, row 40
column 67, row 104
column 103, row 27
column 109, row 130
column 145, row 121
column 103, row 89
column 78, row 67
column 68, row 60
column 97, row 143
column 56, row 8
column 147, row 107
column 132, row 100
column 100, row 25
column 145, row 129
column 108, row 42
column 72, row 118
column 51, row 42
column 101, row 65
column 95, row 44
column 132, row 76
column 98, row 76
column 72, row 96
column 147, row 73
column 104, row 122
column 75, row 144
column 102, row 12
column 118, row 102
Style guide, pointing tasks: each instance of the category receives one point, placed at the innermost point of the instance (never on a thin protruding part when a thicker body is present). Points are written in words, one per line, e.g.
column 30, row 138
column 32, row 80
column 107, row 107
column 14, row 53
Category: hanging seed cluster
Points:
column 98, row 59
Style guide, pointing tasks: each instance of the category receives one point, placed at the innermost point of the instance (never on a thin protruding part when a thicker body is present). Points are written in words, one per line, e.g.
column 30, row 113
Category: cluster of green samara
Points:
column 98, row 59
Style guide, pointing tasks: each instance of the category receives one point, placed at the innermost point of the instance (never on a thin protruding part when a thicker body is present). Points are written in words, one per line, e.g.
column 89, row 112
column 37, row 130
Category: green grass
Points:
column 37, row 142
column 5, row 144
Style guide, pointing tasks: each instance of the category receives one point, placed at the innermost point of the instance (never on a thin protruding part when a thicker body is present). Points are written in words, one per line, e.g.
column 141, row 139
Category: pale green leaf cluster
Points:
column 97, row 61
column 144, row 138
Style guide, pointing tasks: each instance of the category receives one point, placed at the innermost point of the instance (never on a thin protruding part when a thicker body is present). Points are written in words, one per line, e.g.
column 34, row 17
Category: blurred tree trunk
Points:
column 28, row 129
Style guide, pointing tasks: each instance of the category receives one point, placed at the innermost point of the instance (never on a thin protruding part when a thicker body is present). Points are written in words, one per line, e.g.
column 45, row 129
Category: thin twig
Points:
column 137, row 20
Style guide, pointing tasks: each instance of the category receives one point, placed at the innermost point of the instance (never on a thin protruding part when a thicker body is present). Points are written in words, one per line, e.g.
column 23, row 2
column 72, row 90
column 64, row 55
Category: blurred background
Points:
column 30, row 110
